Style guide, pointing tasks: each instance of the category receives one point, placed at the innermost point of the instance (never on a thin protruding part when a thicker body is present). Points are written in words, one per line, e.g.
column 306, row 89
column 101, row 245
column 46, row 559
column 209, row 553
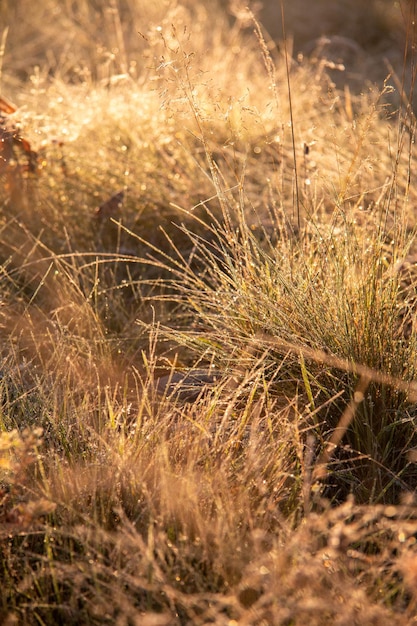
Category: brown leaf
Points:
column 6, row 106
column 110, row 208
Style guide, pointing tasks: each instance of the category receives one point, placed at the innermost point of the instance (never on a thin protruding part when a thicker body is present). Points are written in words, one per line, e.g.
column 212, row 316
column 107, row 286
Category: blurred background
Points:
column 73, row 38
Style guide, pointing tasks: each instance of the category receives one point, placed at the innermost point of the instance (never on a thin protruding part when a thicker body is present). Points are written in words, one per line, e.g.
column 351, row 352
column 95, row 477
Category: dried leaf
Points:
column 6, row 106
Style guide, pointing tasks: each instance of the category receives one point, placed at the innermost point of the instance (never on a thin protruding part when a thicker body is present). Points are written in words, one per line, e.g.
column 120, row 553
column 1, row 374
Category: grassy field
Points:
column 207, row 315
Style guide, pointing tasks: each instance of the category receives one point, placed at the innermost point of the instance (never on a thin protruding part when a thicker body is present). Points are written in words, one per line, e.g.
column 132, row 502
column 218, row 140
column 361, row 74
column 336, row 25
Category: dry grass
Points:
column 208, row 357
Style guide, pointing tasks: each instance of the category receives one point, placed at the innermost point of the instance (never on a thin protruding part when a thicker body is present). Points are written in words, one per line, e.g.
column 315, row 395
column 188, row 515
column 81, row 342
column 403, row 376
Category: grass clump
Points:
column 207, row 368
column 311, row 318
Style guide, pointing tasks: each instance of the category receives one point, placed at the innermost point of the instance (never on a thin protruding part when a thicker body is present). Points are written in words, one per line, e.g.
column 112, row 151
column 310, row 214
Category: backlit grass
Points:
column 203, row 206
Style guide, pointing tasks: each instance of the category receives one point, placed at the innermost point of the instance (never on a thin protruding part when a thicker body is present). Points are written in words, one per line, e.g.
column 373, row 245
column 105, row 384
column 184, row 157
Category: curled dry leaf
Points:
column 110, row 208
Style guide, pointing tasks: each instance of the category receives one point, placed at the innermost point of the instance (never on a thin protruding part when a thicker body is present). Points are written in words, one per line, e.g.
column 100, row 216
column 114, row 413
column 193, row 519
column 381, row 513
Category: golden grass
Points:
column 185, row 220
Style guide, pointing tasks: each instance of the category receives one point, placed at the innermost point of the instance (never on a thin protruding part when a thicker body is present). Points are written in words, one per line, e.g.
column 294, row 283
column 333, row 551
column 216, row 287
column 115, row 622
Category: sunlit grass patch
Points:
column 207, row 302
